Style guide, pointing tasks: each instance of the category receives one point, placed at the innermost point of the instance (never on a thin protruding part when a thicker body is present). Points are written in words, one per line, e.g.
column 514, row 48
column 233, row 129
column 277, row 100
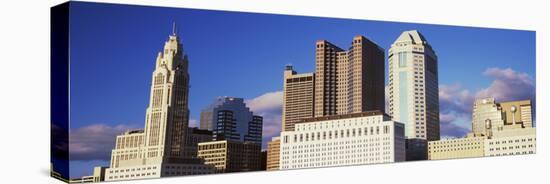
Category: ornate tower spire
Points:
column 167, row 115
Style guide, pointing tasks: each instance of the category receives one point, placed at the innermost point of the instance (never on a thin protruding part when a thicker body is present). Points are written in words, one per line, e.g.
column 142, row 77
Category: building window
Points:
column 402, row 59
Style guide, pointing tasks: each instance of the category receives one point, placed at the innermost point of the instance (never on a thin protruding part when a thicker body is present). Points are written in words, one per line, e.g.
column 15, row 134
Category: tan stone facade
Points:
column 231, row 156
column 273, row 154
column 456, row 148
column 348, row 81
column 325, row 78
column 128, row 149
column 511, row 140
column 298, row 96
column 518, row 112
column 489, row 116
column 498, row 129
column 486, row 116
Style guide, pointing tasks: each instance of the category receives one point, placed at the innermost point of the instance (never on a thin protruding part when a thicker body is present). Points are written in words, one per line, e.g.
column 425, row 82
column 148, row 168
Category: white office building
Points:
column 512, row 141
column 360, row 138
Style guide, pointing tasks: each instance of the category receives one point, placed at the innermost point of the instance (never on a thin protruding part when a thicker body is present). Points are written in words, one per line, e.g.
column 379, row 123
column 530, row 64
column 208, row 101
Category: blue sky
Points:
column 113, row 50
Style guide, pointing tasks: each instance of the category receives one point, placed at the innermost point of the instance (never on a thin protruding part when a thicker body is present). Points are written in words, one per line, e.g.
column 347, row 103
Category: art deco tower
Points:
column 413, row 86
column 161, row 149
column 168, row 113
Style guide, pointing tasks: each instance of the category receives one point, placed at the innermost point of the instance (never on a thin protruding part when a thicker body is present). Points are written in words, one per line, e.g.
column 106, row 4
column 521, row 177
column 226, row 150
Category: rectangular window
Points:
column 402, row 59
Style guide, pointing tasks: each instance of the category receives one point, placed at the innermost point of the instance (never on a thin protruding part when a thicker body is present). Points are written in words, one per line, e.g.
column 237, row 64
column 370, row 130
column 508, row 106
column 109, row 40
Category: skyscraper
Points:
column 413, row 86
column 364, row 83
column 207, row 115
column 325, row 78
column 156, row 150
column 298, row 94
column 349, row 81
column 167, row 116
column 230, row 119
column 236, row 135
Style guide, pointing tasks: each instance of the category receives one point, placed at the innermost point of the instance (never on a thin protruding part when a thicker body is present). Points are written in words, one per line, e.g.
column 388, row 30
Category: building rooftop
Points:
column 133, row 132
column 195, row 130
column 412, row 36
column 344, row 116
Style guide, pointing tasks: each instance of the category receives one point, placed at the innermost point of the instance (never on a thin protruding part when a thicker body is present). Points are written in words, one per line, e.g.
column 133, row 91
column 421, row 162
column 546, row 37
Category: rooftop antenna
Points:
column 174, row 29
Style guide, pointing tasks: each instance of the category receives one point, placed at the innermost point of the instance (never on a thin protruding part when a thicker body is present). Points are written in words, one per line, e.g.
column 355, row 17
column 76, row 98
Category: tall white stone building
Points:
column 158, row 150
column 414, row 91
column 359, row 138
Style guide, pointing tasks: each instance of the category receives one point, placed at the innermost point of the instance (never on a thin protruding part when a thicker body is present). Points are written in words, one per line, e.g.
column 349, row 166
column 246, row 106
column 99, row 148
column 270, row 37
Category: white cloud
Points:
column 456, row 102
column 193, row 123
column 267, row 102
column 508, row 85
column 269, row 106
column 94, row 142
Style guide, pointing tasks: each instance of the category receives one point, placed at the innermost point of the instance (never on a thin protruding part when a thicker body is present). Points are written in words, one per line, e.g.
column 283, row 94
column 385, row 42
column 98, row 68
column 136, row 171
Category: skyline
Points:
column 128, row 113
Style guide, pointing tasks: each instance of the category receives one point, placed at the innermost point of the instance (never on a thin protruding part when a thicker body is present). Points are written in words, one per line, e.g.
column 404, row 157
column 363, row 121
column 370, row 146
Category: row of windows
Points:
column 286, row 165
column 192, row 167
column 365, row 156
column 184, row 173
column 132, row 175
column 336, row 124
column 513, row 153
column 344, row 146
column 456, row 149
column 511, row 141
column 325, row 144
column 347, row 133
column 315, row 153
column 510, row 147
column 128, row 141
column 133, row 169
column 445, row 144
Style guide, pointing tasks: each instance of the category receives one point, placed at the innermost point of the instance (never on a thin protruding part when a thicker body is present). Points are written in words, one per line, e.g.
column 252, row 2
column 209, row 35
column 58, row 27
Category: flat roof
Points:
column 343, row 116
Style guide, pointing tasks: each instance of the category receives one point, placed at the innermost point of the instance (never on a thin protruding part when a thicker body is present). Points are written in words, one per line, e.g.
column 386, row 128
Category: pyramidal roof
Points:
column 411, row 36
